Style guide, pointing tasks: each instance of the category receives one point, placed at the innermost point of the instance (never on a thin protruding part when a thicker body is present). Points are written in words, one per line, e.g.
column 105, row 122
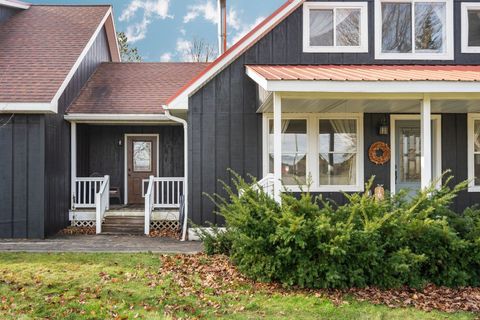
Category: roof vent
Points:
column 222, row 26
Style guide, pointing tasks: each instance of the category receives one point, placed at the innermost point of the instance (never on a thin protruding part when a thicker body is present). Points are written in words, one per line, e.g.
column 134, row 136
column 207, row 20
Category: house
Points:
column 329, row 91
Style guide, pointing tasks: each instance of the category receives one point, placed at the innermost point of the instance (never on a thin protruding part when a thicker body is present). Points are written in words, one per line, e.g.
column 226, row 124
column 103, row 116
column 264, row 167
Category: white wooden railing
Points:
column 167, row 192
column 267, row 184
column 149, row 203
column 85, row 191
column 102, row 203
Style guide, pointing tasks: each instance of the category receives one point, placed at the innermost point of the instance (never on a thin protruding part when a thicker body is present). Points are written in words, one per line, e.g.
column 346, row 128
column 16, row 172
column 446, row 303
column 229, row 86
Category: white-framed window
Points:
column 326, row 147
column 335, row 27
column 414, row 29
column 471, row 27
column 473, row 128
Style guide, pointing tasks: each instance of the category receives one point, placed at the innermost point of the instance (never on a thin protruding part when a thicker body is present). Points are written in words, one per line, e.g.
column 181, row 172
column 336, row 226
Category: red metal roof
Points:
column 132, row 88
column 367, row 73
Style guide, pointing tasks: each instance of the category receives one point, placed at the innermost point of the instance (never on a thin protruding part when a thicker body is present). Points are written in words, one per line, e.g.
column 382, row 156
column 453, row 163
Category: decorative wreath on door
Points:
column 379, row 153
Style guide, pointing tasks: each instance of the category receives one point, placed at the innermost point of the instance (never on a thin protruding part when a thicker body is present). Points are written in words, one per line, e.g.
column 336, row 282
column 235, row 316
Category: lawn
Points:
column 149, row 286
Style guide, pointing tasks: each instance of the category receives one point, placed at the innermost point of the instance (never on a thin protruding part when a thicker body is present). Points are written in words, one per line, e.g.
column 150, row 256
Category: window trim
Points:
column 471, row 118
column 313, row 161
column 449, row 45
column 363, row 6
column 465, row 27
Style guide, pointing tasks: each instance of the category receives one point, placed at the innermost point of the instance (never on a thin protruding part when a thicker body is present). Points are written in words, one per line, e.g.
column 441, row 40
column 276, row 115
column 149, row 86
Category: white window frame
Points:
column 466, row 6
column 449, row 43
column 472, row 117
column 313, row 161
column 363, row 6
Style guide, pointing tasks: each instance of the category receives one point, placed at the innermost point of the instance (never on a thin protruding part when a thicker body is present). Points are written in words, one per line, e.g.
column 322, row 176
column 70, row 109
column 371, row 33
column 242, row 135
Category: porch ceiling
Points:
column 297, row 105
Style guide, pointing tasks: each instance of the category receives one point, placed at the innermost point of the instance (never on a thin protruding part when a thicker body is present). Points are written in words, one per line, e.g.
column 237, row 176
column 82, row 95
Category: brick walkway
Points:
column 100, row 243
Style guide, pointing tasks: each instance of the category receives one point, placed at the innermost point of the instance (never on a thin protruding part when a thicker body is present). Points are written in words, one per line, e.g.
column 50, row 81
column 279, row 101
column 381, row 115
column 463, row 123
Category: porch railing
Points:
column 267, row 184
column 85, row 191
column 102, row 203
column 167, row 192
column 149, row 204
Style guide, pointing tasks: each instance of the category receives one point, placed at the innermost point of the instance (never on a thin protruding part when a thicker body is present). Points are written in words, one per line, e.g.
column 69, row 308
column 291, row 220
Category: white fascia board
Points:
column 179, row 102
column 106, row 117
column 80, row 59
column 28, row 107
column 371, row 86
column 12, row 4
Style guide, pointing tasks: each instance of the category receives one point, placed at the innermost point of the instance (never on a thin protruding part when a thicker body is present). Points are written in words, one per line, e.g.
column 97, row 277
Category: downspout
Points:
column 185, row 157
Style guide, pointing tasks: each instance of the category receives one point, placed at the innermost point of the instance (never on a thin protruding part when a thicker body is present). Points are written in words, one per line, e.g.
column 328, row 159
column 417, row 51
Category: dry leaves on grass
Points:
column 220, row 275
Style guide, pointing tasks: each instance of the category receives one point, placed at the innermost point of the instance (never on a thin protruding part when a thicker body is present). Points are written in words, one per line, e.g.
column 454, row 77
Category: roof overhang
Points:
column 180, row 99
column 280, row 81
column 14, row 4
column 116, row 118
column 28, row 107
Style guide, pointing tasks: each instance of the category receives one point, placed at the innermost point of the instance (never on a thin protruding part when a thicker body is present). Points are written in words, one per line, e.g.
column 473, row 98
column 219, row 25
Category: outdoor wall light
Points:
column 383, row 128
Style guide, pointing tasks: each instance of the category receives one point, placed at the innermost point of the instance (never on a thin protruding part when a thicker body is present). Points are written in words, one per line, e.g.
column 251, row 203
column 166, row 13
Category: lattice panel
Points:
column 83, row 223
column 164, row 225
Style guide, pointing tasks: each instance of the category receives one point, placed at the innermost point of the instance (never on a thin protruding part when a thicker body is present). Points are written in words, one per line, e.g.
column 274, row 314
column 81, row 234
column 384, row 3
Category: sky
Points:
column 163, row 30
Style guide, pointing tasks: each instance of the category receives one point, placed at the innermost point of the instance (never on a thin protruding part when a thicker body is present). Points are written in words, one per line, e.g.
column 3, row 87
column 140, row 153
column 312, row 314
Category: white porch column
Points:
column 73, row 159
column 426, row 142
column 277, row 145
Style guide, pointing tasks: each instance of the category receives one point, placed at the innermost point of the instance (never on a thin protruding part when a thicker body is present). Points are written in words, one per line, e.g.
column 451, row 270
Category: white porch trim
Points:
column 107, row 118
column 471, row 118
column 15, row 4
column 73, row 161
column 426, row 139
column 277, row 151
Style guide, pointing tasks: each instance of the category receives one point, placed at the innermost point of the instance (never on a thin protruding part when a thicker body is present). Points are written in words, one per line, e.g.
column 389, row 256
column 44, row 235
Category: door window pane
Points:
column 294, row 151
column 348, row 27
column 430, row 27
column 409, row 149
column 396, row 27
column 142, row 156
column 321, row 27
column 474, row 28
column 338, row 151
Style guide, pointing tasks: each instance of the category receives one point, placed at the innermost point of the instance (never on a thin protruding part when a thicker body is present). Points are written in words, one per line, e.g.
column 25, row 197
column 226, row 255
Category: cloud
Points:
column 244, row 30
column 184, row 48
column 152, row 9
column 208, row 10
column 166, row 57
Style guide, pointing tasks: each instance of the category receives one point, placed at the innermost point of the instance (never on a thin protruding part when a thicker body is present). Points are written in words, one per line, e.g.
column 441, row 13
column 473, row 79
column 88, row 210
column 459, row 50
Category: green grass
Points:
column 127, row 286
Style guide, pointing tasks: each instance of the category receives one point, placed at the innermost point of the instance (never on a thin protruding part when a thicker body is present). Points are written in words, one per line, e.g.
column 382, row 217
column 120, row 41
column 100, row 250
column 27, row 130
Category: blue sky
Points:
column 162, row 30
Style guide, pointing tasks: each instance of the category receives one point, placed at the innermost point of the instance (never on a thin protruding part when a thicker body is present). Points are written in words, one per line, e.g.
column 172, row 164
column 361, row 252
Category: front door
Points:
column 141, row 164
column 407, row 161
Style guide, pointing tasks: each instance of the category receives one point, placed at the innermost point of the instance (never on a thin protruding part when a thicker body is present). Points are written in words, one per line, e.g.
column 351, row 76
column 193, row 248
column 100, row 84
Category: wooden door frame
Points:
column 438, row 136
column 125, row 158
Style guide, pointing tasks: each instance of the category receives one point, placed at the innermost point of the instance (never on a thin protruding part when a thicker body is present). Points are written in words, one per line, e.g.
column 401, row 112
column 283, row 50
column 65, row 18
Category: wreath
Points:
column 379, row 153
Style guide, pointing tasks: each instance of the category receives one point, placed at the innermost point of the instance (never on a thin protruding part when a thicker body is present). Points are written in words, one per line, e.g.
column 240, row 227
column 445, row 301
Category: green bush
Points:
column 310, row 242
column 215, row 240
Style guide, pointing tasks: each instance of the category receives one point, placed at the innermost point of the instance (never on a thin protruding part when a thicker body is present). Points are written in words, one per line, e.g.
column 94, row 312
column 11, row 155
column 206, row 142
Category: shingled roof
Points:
column 133, row 88
column 40, row 46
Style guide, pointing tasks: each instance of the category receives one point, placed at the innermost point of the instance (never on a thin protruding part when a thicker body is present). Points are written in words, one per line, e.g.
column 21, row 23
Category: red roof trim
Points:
column 237, row 44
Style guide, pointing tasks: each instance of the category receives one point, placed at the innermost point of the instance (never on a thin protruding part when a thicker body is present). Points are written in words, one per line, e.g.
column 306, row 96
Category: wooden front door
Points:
column 141, row 164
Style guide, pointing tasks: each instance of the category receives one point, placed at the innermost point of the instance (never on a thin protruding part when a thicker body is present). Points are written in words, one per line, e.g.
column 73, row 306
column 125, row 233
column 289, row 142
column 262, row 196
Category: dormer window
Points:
column 421, row 30
column 335, row 27
column 470, row 27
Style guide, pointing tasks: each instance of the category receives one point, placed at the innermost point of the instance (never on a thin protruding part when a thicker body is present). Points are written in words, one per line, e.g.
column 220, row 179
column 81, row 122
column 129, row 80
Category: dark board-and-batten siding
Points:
column 35, row 161
column 224, row 128
column 101, row 150
column 7, row 12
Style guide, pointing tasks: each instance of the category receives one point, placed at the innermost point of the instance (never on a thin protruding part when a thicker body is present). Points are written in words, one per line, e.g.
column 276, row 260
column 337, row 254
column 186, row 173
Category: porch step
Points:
column 123, row 225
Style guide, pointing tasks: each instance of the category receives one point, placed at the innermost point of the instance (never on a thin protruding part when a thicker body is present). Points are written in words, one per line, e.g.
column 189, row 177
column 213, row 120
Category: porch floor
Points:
column 102, row 243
